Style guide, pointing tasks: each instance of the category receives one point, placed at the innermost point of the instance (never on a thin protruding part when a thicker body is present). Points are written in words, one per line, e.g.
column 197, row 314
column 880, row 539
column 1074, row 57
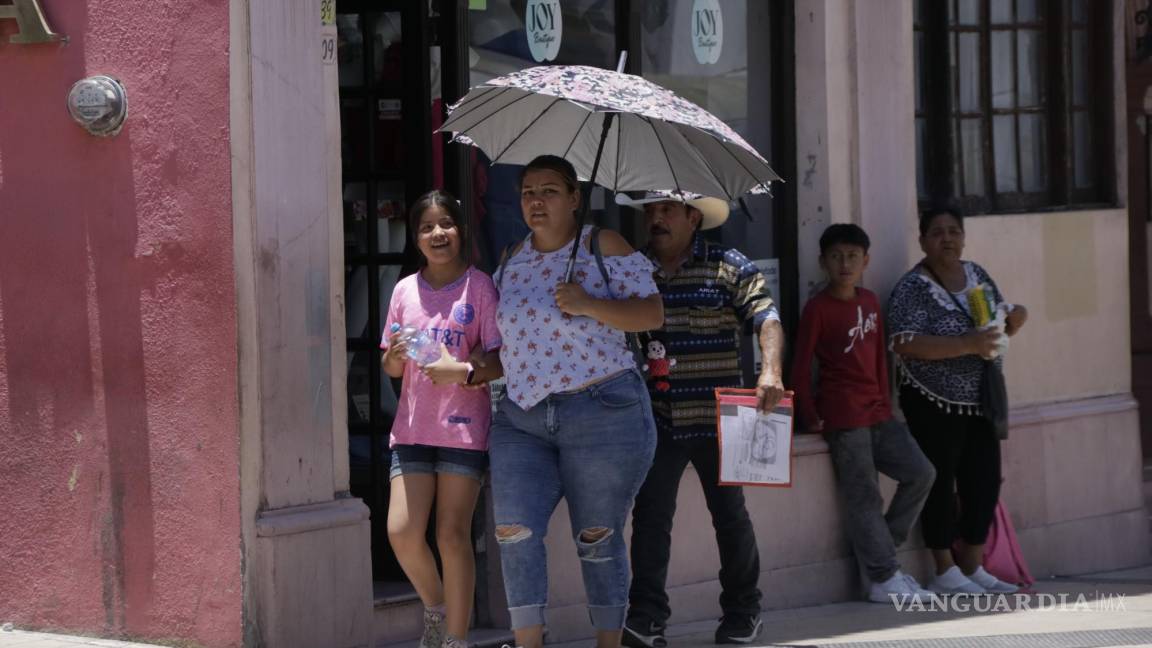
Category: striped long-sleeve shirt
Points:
column 706, row 304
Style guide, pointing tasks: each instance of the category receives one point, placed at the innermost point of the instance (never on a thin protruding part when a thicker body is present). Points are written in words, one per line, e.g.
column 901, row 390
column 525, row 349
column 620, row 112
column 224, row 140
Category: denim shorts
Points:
column 422, row 459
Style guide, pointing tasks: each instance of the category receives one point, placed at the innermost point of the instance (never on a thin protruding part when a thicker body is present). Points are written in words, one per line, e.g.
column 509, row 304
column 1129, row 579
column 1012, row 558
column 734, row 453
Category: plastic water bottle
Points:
column 421, row 347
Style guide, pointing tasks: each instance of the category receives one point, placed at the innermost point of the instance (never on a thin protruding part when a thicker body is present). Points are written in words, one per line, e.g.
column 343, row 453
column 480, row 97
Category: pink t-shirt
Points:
column 461, row 315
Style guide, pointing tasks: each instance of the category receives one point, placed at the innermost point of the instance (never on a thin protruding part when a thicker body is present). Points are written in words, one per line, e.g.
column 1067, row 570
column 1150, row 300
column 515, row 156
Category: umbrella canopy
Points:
column 657, row 140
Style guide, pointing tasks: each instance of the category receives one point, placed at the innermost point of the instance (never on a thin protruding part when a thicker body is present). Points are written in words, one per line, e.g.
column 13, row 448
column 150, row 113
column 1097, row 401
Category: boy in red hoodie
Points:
column 841, row 329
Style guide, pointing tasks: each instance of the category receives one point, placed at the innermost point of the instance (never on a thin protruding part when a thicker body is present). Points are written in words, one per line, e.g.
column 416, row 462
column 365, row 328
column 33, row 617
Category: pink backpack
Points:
column 1002, row 556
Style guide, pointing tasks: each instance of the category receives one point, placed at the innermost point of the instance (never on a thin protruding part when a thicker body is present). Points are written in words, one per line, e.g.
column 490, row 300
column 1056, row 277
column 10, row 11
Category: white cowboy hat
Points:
column 714, row 210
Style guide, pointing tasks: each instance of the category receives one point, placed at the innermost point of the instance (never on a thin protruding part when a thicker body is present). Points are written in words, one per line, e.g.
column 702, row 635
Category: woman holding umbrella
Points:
column 576, row 422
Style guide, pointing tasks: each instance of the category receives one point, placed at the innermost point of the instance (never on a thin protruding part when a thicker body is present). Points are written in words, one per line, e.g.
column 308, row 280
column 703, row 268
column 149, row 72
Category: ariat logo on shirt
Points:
column 460, row 419
column 856, row 333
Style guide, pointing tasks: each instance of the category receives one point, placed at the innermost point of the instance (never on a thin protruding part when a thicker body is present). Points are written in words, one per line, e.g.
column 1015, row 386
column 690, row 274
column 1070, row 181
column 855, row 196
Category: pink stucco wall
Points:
column 119, row 478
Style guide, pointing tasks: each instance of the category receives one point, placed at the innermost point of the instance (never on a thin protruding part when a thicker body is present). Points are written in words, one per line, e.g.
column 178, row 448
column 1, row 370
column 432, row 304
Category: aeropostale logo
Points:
column 29, row 17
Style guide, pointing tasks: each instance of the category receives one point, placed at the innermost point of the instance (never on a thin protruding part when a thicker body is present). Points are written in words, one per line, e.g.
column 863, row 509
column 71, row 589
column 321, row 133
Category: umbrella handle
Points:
column 595, row 168
column 744, row 206
column 584, row 203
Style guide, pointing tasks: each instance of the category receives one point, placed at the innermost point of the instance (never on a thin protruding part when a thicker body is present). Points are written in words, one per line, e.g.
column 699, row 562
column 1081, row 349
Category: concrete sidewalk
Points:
column 21, row 639
column 1116, row 610
column 1108, row 609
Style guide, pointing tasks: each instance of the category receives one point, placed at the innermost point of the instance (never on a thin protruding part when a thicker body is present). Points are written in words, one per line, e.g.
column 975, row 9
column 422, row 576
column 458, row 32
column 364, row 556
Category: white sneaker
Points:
column 954, row 581
column 990, row 583
column 901, row 587
column 915, row 584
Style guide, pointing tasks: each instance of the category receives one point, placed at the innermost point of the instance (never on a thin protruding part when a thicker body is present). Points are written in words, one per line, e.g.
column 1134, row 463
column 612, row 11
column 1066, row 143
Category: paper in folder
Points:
column 755, row 448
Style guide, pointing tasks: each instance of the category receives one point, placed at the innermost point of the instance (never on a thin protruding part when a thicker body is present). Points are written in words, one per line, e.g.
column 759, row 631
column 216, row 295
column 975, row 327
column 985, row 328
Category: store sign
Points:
column 545, row 28
column 30, row 18
column 707, row 31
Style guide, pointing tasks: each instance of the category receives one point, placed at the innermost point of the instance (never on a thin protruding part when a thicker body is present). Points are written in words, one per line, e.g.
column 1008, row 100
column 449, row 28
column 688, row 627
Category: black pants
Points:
column 652, row 533
column 966, row 453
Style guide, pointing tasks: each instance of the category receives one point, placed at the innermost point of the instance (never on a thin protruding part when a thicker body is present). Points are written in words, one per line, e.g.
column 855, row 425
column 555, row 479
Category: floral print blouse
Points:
column 545, row 351
column 920, row 306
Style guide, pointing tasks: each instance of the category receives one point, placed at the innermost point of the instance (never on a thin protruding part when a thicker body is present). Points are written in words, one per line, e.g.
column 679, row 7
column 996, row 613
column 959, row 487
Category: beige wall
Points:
column 856, row 163
column 1071, row 270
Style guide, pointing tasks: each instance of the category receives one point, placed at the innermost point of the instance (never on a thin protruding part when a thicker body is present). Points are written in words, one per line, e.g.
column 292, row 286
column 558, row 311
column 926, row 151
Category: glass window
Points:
column 968, row 72
column 1010, row 144
column 669, row 57
column 1003, row 76
column 1033, row 144
column 1029, row 81
column 499, row 39
column 350, row 49
column 499, row 45
column 968, row 12
column 1001, row 12
column 921, row 92
column 376, row 174
column 1027, row 11
column 972, row 155
column 723, row 63
column 1004, row 145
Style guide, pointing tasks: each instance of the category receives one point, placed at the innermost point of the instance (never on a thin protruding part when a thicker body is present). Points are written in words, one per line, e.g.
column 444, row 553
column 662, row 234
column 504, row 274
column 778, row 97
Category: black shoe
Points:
column 641, row 635
column 738, row 629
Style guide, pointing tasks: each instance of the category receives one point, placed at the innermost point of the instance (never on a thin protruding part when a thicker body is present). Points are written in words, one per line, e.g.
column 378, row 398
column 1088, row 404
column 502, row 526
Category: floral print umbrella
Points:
column 657, row 139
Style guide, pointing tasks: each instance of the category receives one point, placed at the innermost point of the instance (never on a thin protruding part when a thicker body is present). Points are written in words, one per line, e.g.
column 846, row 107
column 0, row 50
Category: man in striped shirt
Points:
column 709, row 292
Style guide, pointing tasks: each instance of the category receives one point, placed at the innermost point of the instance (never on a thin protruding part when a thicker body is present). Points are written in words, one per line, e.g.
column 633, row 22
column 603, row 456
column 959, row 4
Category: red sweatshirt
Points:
column 846, row 338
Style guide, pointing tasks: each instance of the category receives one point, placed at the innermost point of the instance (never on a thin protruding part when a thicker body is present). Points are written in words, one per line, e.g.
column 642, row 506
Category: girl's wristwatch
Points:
column 471, row 373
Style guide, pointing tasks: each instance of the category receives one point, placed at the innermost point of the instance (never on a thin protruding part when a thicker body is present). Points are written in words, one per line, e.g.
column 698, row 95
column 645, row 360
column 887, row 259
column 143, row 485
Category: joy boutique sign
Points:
column 29, row 16
column 707, row 31
column 544, row 26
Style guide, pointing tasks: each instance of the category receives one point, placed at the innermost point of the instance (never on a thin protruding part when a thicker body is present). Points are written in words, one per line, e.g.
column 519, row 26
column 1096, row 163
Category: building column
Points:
column 306, row 545
column 856, row 131
column 886, row 123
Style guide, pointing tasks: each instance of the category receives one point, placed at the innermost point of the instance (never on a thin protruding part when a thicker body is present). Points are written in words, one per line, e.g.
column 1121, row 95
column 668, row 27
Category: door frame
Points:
column 1139, row 133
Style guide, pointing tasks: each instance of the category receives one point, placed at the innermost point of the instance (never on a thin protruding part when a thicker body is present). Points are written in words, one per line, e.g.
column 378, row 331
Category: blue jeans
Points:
column 593, row 448
column 857, row 454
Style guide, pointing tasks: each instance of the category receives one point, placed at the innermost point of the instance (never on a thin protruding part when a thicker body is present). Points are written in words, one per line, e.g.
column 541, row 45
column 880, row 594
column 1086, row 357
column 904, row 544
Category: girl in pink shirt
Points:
column 440, row 435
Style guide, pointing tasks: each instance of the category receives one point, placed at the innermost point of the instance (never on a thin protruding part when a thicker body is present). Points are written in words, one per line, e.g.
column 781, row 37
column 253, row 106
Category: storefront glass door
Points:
column 390, row 70
column 734, row 58
column 385, row 108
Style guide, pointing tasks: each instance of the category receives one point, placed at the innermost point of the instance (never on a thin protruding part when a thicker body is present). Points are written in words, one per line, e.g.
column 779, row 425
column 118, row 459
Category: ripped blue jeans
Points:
column 593, row 448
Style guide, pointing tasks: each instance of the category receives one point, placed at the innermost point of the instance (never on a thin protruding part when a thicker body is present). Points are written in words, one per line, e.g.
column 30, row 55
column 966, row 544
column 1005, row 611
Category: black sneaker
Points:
column 640, row 635
column 738, row 629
